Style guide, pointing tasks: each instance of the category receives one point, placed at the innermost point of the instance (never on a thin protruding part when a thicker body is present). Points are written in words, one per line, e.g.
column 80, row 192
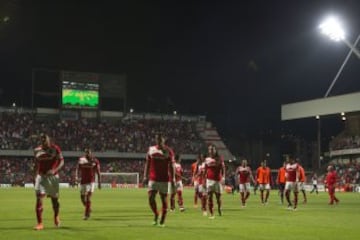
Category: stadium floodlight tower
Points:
column 333, row 28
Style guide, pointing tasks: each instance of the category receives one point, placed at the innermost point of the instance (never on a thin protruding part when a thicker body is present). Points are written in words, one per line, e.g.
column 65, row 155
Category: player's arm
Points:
column 60, row 160
column 146, row 169
column 223, row 171
column 252, row 177
column 77, row 173
column 35, row 168
column 98, row 173
column 297, row 174
column 172, row 167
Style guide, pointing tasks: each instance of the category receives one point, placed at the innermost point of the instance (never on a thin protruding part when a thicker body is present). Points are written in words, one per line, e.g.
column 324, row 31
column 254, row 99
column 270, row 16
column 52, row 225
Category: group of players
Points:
column 48, row 161
column 163, row 175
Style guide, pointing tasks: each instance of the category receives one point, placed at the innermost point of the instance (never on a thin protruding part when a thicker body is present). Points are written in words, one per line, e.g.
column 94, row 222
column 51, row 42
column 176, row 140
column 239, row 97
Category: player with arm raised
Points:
column 48, row 161
column 215, row 175
column 159, row 172
column 87, row 168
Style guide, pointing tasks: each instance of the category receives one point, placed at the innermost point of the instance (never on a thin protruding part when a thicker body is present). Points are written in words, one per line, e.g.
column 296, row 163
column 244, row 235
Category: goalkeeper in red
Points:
column 159, row 172
column 48, row 161
column 88, row 166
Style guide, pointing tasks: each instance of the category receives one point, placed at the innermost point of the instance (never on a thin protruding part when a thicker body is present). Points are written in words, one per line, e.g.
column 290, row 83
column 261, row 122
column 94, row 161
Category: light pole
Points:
column 332, row 28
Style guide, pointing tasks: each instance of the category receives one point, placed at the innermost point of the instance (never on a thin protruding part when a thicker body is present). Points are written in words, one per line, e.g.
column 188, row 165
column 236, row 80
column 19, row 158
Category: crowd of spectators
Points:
column 17, row 170
column 19, row 131
column 348, row 174
column 345, row 142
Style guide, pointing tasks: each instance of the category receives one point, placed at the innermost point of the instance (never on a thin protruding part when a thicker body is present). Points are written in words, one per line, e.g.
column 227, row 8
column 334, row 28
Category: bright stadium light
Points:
column 333, row 28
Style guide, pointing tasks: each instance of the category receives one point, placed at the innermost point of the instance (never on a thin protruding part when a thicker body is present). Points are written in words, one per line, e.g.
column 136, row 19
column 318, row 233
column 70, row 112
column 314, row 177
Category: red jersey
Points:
column 159, row 161
column 244, row 174
column 201, row 173
column 291, row 170
column 47, row 158
column 331, row 178
column 178, row 172
column 88, row 168
column 213, row 168
column 263, row 175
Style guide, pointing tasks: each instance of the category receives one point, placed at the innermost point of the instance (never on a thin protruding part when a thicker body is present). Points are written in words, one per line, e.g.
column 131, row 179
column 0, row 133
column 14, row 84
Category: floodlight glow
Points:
column 332, row 28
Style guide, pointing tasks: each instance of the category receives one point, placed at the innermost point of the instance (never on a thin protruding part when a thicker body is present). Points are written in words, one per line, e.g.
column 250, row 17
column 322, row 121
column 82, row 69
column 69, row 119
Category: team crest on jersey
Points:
column 159, row 153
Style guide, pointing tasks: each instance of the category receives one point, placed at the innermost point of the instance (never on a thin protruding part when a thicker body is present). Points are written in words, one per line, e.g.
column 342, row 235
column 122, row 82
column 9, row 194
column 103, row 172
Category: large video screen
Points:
column 80, row 95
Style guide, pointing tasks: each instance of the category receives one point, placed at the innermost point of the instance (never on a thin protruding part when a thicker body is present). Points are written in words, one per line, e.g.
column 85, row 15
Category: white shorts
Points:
column 87, row 187
column 202, row 189
column 301, row 186
column 47, row 184
column 244, row 187
column 213, row 186
column 196, row 185
column 265, row 186
column 161, row 187
column 178, row 187
column 292, row 186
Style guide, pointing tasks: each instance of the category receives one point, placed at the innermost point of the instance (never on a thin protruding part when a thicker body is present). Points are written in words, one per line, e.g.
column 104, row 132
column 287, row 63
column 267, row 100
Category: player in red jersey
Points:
column 48, row 161
column 215, row 176
column 88, row 166
column 159, row 172
column 292, row 181
column 245, row 175
column 195, row 180
column 263, row 176
column 330, row 181
column 200, row 175
column 178, row 188
column 280, row 181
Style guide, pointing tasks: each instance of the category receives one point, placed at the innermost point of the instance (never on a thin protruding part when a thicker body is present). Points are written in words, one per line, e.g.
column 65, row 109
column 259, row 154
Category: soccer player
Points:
column 280, row 181
column 88, row 166
column 314, row 182
column 200, row 174
column 178, row 188
column 292, row 181
column 158, row 171
column 245, row 175
column 302, row 179
column 48, row 160
column 330, row 181
column 195, row 180
column 263, row 176
column 215, row 177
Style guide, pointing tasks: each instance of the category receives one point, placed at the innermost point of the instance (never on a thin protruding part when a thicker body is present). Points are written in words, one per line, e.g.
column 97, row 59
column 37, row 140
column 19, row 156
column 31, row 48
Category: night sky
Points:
column 234, row 61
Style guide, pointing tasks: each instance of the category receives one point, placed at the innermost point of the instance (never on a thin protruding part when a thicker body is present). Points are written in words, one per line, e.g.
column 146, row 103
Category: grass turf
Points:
column 125, row 214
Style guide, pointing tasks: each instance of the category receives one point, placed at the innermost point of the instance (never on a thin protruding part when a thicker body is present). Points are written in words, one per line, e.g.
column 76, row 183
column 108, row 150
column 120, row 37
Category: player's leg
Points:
column 196, row 193
column 152, row 191
column 180, row 200
column 288, row 187
column 163, row 191
column 242, row 194
column 210, row 203
column 56, row 207
column 202, row 193
column 39, row 209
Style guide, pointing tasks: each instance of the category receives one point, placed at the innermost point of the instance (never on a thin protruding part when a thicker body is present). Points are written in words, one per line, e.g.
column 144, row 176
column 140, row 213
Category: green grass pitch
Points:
column 125, row 214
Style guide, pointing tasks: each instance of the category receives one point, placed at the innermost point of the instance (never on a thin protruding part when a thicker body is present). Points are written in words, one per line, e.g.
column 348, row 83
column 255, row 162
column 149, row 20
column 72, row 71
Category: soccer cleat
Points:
column 39, row 226
column 289, row 207
column 57, row 221
column 212, row 217
column 162, row 225
column 220, row 211
column 182, row 209
column 172, row 209
column 205, row 213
